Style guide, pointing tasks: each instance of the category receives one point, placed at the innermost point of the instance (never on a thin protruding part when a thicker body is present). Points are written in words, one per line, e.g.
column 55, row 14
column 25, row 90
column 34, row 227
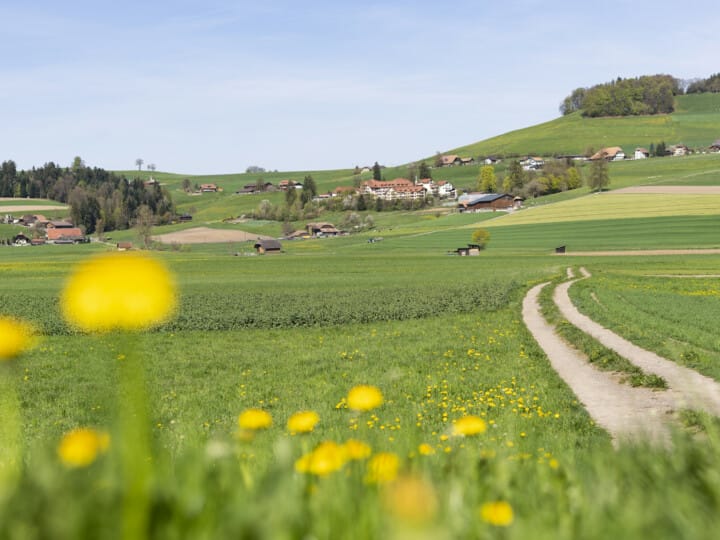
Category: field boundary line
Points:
column 692, row 389
column 626, row 413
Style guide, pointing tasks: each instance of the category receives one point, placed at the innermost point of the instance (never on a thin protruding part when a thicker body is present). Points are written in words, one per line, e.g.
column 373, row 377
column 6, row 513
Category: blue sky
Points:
column 212, row 86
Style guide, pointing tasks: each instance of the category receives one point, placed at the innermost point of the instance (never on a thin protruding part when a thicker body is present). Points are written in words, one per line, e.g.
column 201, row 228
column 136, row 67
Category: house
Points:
column 715, row 147
column 400, row 188
column 21, row 240
column 209, row 188
column 477, row 202
column 532, row 163
column 59, row 224
column 124, row 246
column 452, row 159
column 613, row 153
column 267, row 247
column 467, row 161
column 491, row 160
column 296, row 235
column 642, row 153
column 284, row 185
column 473, row 250
column 344, row 190
column 64, row 235
column 322, row 229
column 678, row 150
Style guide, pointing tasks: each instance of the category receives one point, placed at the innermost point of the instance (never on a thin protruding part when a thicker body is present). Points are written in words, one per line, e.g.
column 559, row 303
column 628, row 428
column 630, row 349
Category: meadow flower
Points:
column 81, row 447
column 327, row 458
column 120, row 291
column 497, row 513
column 426, row 450
column 412, row 500
column 254, row 419
column 356, row 450
column 303, row 422
column 15, row 337
column 469, row 425
column 364, row 398
column 382, row 468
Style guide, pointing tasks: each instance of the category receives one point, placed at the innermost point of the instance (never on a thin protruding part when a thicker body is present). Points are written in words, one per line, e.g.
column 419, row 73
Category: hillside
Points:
column 695, row 122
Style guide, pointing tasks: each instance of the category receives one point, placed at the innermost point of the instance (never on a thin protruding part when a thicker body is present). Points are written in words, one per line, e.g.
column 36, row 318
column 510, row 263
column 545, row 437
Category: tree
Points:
column 377, row 171
column 77, row 164
column 424, row 170
column 480, row 237
column 574, row 180
column 599, row 176
column 660, row 149
column 151, row 167
column 487, row 182
column 186, row 184
column 143, row 225
column 515, row 179
column 260, row 184
column 139, row 162
column 290, row 196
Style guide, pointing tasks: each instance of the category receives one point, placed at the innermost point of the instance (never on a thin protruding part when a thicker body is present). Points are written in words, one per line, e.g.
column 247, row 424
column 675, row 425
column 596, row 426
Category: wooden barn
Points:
column 476, row 202
column 265, row 247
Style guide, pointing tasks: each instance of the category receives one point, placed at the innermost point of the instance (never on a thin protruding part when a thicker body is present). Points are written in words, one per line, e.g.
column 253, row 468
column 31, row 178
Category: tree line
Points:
column 99, row 200
column 711, row 84
column 649, row 94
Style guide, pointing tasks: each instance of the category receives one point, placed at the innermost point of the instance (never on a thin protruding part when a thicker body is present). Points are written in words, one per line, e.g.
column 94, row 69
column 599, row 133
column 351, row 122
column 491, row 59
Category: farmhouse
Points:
column 124, row 246
column 64, row 235
column 452, row 159
column 642, row 153
column 532, row 163
column 284, row 185
column 715, row 147
column 21, row 240
column 477, row 202
column 678, row 150
column 473, row 250
column 613, row 153
column 322, row 229
column 266, row 247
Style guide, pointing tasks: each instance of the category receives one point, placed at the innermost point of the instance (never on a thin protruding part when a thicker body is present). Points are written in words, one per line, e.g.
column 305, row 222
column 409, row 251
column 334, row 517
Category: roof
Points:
column 449, row 159
column 477, row 198
column 716, row 144
column 270, row 244
column 609, row 152
column 59, row 224
column 643, row 150
column 57, row 233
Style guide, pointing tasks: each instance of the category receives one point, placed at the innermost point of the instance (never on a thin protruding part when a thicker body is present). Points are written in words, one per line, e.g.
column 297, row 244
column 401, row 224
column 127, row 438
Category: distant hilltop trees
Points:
column 649, row 94
column 711, row 84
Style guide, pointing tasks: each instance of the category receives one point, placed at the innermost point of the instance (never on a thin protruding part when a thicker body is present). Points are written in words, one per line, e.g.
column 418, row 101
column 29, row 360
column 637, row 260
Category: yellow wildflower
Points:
column 497, row 513
column 469, row 425
column 80, row 447
column 254, row 419
column 426, row 450
column 364, row 398
column 303, row 422
column 382, row 468
column 121, row 291
column 412, row 500
column 356, row 450
column 15, row 337
column 327, row 458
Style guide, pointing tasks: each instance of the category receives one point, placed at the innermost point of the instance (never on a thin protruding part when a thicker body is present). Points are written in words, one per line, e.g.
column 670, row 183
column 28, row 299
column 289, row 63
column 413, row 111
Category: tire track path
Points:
column 625, row 412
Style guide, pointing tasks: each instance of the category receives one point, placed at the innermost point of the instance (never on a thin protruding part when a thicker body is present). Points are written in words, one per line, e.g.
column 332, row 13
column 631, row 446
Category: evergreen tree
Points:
column 377, row 172
column 424, row 171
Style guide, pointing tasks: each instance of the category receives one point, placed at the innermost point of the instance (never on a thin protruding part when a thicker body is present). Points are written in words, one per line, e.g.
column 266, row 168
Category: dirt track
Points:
column 625, row 412
column 206, row 235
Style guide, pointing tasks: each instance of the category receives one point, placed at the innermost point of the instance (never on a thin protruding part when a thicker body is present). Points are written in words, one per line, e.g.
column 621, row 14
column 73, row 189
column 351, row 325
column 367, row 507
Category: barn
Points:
column 265, row 247
column 476, row 202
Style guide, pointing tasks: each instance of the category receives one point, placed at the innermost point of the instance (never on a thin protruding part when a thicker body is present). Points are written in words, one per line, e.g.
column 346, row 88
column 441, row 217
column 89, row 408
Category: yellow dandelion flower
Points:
column 426, row 450
column 382, row 468
column 469, row 425
column 412, row 500
column 327, row 458
column 497, row 513
column 80, row 447
column 356, row 450
column 303, row 422
column 15, row 337
column 254, row 419
column 364, row 398
column 120, row 291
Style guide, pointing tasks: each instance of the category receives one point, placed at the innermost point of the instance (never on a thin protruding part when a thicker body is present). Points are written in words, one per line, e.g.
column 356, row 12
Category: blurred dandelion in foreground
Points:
column 412, row 500
column 426, row 450
column 327, row 458
column 303, row 422
column 81, row 447
column 357, row 450
column 15, row 337
column 120, row 291
column 382, row 468
column 469, row 425
column 497, row 513
column 364, row 398
column 254, row 419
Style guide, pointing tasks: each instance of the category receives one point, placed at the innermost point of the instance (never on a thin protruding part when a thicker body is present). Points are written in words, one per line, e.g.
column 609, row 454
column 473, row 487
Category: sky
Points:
column 215, row 86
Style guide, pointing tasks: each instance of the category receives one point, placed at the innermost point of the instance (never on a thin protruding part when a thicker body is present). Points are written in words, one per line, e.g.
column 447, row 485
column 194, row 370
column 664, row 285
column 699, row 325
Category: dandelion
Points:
column 81, row 447
column 302, row 422
column 356, row 450
column 469, row 425
column 426, row 450
column 254, row 419
column 118, row 292
column 497, row 513
column 327, row 458
column 15, row 337
column 412, row 500
column 364, row 398
column 382, row 468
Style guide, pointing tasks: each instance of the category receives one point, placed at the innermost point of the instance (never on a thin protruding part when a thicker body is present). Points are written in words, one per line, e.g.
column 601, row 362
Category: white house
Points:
column 642, row 153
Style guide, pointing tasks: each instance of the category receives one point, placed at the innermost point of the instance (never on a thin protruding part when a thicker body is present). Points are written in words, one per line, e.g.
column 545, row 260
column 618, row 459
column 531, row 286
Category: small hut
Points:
column 265, row 247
